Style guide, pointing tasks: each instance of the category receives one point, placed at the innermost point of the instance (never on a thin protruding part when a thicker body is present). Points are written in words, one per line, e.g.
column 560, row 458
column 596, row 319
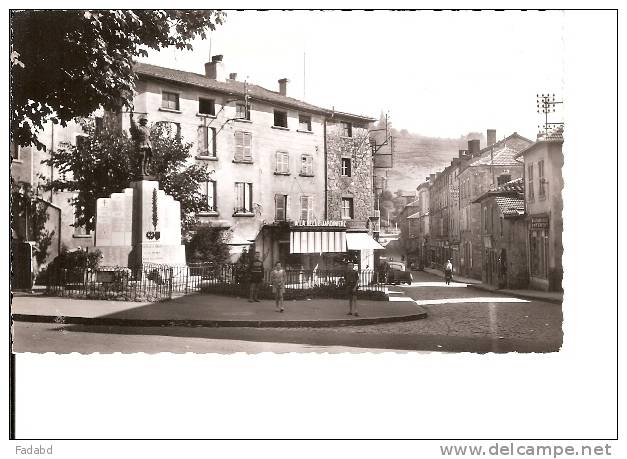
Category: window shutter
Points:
column 211, row 189
column 248, row 196
column 211, row 141
column 247, row 141
column 202, row 140
column 239, row 146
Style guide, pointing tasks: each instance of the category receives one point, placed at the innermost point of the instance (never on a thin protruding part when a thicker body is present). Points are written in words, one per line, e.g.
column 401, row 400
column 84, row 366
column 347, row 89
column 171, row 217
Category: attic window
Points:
column 206, row 106
column 280, row 118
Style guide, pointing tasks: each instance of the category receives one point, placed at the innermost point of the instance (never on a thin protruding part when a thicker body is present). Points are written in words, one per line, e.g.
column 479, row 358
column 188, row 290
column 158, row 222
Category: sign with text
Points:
column 539, row 222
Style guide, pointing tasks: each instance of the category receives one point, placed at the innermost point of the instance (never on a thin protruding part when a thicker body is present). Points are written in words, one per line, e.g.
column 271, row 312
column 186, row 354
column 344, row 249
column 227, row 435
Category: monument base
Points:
column 153, row 252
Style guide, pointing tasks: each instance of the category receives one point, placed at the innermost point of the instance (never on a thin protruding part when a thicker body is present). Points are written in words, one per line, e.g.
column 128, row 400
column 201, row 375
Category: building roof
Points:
column 557, row 139
column 504, row 141
column 236, row 89
column 502, row 156
column 514, row 189
column 510, row 207
column 513, row 186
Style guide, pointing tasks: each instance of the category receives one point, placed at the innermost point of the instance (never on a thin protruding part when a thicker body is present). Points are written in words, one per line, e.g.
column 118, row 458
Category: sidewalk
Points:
column 210, row 311
column 549, row 297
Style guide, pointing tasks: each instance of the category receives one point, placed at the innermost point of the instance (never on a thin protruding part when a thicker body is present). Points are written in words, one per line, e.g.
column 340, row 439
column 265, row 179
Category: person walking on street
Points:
column 255, row 272
column 277, row 279
column 352, row 285
column 448, row 272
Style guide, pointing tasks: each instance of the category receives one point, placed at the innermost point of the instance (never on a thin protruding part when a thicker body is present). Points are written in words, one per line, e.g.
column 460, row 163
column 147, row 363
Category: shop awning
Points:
column 361, row 241
column 317, row 241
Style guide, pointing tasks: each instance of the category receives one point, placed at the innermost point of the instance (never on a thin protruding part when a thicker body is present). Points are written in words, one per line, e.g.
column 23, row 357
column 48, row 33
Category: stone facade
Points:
column 358, row 185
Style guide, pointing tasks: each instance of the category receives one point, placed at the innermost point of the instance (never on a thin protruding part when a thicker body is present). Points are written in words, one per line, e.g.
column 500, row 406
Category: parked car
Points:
column 396, row 273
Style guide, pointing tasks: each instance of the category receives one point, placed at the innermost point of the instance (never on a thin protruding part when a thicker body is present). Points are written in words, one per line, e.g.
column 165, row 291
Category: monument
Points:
column 141, row 224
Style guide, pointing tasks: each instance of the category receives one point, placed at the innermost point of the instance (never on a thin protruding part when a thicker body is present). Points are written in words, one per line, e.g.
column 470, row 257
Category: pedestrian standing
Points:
column 352, row 285
column 255, row 274
column 277, row 279
column 448, row 272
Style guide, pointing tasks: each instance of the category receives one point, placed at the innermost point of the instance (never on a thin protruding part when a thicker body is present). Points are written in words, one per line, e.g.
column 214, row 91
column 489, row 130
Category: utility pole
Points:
column 545, row 103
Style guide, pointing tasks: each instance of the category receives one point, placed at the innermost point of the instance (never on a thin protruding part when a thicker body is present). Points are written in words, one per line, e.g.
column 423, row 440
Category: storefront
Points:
column 322, row 245
column 538, row 251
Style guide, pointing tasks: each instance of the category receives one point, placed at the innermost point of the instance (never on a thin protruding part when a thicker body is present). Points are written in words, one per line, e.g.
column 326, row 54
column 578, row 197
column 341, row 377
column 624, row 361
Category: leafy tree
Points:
column 105, row 162
column 69, row 63
column 31, row 211
column 208, row 245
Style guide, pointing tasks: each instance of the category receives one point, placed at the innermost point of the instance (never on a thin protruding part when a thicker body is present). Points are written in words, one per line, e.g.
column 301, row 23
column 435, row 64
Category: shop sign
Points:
column 539, row 222
column 336, row 223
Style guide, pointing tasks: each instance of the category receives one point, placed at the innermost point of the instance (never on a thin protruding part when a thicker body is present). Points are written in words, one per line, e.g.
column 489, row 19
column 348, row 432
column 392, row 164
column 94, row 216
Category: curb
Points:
column 67, row 320
column 517, row 295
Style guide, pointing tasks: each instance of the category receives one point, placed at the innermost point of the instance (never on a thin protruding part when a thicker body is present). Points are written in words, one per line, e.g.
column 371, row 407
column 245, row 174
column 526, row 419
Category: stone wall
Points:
column 359, row 185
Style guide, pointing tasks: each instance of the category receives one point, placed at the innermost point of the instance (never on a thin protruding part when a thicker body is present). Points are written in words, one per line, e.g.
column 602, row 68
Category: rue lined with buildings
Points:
column 297, row 183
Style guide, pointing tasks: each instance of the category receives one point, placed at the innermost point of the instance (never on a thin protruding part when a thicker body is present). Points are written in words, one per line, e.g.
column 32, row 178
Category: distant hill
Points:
column 417, row 156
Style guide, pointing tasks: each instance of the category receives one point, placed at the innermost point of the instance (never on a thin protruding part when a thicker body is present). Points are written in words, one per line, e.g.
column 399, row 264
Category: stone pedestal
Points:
column 140, row 225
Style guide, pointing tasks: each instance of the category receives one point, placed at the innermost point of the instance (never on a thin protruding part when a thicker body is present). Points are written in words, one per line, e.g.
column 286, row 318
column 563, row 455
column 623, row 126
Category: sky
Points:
column 440, row 74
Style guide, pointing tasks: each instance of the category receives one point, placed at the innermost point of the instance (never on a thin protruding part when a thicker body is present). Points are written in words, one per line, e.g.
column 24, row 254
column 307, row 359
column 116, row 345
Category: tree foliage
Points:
column 105, row 162
column 69, row 63
column 31, row 211
column 208, row 245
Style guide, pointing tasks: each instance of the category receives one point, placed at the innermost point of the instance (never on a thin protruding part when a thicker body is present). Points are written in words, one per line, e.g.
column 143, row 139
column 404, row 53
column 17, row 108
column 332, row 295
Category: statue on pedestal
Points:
column 141, row 136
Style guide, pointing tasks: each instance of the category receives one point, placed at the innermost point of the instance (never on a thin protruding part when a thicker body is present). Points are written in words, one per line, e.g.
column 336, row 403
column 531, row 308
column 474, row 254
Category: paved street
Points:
column 460, row 319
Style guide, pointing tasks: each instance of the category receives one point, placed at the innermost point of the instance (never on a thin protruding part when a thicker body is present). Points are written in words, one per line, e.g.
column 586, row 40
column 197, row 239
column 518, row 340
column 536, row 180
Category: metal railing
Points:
column 151, row 282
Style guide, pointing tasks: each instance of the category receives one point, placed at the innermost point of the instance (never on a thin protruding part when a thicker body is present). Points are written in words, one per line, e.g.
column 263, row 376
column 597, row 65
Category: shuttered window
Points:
column 282, row 162
column 206, row 141
column 306, row 208
column 306, row 165
column 243, row 142
column 243, row 197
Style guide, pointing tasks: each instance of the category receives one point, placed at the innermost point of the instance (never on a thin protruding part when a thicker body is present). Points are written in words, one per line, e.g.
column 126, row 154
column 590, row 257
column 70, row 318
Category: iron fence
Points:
column 155, row 282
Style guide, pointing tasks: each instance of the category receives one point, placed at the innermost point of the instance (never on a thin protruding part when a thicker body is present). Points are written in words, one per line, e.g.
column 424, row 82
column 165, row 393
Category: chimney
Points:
column 473, row 147
column 491, row 136
column 233, row 76
column 431, row 177
column 215, row 68
column 283, row 86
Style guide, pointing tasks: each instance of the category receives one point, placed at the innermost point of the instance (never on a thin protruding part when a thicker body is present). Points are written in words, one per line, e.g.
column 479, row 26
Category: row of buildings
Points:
column 495, row 212
column 291, row 180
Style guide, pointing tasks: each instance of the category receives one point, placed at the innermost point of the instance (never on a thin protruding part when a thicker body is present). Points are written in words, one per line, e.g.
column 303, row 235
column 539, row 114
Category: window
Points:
column 207, row 141
column 243, row 197
column 485, row 220
column 304, row 123
column 243, row 141
column 208, row 190
column 346, row 167
column 170, row 129
column 306, row 208
column 530, row 181
column 282, row 163
column 541, row 178
column 306, row 167
column 169, row 100
column 347, row 208
column 280, row 207
column 206, row 106
column 242, row 111
column 79, row 231
column 280, row 118
column 501, row 221
column 346, row 129
column 15, row 151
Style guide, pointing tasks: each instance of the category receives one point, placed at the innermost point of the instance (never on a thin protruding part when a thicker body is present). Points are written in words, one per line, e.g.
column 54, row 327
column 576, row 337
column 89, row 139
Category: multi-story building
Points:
column 27, row 167
column 503, row 236
column 286, row 176
column 289, row 179
column 480, row 171
column 543, row 179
